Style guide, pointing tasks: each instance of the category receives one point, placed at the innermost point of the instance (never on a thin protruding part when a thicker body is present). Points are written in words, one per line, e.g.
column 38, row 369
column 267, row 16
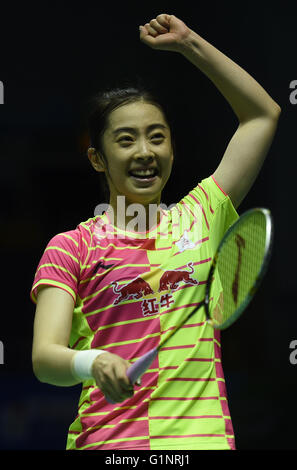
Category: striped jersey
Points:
column 130, row 288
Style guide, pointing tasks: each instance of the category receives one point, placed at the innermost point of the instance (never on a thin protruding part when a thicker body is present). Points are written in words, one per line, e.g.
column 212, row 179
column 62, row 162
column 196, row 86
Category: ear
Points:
column 96, row 159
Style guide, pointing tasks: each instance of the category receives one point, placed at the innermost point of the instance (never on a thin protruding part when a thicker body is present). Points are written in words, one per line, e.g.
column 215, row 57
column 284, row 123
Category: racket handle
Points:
column 138, row 368
column 141, row 365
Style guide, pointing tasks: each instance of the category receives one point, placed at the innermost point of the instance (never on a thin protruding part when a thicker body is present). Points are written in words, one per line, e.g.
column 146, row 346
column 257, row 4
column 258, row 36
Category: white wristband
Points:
column 82, row 363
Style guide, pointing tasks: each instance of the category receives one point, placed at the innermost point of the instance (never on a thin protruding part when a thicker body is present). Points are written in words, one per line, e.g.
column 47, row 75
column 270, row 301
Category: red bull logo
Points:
column 171, row 279
column 134, row 289
column 139, row 288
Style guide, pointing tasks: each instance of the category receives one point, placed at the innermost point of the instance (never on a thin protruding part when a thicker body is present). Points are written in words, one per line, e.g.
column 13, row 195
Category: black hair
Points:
column 101, row 104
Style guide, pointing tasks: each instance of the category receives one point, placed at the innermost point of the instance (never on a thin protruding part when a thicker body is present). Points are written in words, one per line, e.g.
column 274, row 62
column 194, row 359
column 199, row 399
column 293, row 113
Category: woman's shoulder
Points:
column 83, row 231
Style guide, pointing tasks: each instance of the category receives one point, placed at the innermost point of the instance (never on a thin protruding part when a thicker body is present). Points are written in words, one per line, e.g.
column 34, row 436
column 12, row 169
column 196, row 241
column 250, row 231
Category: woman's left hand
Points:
column 166, row 33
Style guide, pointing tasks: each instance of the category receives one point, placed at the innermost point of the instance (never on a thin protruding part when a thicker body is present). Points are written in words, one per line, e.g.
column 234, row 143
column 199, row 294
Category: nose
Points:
column 144, row 151
column 145, row 159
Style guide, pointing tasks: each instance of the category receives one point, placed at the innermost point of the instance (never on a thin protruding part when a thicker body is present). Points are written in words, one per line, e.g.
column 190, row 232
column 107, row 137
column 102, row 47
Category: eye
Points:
column 158, row 136
column 125, row 140
column 126, row 137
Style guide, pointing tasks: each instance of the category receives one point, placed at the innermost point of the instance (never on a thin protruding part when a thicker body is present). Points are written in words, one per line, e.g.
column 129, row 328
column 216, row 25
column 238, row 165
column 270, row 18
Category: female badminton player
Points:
column 106, row 292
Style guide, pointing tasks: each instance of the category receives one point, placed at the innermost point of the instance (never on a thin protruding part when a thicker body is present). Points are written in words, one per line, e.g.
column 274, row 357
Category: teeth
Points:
column 143, row 172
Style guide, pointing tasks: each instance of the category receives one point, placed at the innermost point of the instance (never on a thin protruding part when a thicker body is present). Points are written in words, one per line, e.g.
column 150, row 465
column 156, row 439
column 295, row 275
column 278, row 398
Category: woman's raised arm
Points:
column 256, row 111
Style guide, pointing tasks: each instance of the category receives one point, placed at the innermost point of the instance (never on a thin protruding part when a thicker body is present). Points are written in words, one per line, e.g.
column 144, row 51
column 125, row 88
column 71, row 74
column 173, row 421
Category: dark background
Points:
column 54, row 55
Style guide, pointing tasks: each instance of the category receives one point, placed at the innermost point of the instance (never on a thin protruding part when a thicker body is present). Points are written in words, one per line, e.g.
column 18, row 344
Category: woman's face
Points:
column 138, row 151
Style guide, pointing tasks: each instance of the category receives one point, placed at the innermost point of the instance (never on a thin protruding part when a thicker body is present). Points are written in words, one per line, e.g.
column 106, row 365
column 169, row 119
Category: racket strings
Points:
column 238, row 265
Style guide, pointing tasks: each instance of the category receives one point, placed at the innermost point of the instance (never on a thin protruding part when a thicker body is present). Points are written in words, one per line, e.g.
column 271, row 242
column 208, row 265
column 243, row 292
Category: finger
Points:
column 151, row 30
column 116, row 395
column 125, row 383
column 125, row 388
column 158, row 27
column 164, row 19
column 115, row 389
column 121, row 378
column 146, row 38
column 125, row 395
column 110, row 394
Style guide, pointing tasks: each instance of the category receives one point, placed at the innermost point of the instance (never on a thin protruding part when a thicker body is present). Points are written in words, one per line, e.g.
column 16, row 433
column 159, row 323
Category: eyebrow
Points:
column 132, row 129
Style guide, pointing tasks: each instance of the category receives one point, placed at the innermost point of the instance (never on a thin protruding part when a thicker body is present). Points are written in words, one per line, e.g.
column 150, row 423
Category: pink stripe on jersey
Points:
column 219, row 370
column 119, row 334
column 184, row 398
column 124, row 350
column 206, row 195
column 137, row 444
column 186, row 417
column 201, row 359
column 202, row 210
column 110, row 315
column 173, row 348
column 229, row 427
column 225, row 408
column 176, row 379
column 187, row 436
column 120, row 431
column 231, row 443
column 190, row 325
column 219, row 186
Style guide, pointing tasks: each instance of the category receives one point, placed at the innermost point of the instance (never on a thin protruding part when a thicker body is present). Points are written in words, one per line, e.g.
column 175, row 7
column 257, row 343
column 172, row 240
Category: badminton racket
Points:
column 236, row 271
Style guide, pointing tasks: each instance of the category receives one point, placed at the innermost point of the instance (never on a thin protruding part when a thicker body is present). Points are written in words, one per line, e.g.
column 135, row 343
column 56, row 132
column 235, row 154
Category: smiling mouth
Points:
column 144, row 174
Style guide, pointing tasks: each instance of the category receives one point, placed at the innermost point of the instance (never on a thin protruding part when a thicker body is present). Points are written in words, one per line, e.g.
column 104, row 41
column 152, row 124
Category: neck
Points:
column 133, row 216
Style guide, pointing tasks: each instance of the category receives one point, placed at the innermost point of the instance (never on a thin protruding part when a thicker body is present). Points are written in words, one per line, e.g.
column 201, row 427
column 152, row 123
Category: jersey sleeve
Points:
column 215, row 207
column 59, row 265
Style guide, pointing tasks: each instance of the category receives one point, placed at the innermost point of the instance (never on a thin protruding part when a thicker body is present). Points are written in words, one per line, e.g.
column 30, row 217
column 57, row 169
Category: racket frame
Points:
column 261, row 273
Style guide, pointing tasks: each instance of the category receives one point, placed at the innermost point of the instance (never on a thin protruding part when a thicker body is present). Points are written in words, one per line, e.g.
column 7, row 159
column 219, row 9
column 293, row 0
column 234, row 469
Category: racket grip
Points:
column 141, row 365
column 138, row 368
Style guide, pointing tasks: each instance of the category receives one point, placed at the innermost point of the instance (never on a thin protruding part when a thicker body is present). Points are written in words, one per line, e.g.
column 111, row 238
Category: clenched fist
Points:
column 166, row 32
column 109, row 371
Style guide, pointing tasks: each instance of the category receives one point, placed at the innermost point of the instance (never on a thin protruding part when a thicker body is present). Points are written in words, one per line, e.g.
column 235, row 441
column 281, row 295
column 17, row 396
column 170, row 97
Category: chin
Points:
column 143, row 195
column 144, row 199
